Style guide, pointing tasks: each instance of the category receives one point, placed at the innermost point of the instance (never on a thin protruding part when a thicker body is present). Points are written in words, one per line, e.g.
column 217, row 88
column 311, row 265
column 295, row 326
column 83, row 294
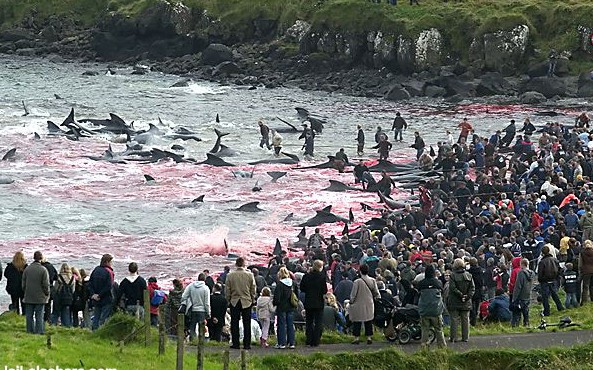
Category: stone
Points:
column 297, row 31
column 226, row 68
column 433, row 91
column 505, row 51
column 428, row 49
column 491, row 83
column 215, row 54
column 585, row 85
column 405, row 56
column 397, row 93
column 532, row 97
column 548, row 86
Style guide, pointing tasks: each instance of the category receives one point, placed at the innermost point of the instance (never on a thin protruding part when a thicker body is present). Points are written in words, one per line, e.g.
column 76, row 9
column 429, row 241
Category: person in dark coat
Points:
column 53, row 276
column 218, row 306
column 14, row 277
column 477, row 275
column 360, row 141
column 459, row 304
column 344, row 288
column 100, row 290
column 314, row 286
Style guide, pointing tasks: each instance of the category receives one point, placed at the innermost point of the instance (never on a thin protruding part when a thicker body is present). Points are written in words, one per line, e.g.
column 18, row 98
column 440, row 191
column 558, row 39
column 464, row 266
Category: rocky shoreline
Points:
column 170, row 39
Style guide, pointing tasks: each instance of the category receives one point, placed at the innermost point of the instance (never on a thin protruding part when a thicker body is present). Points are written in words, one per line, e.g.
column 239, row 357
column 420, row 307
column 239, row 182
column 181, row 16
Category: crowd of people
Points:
column 508, row 220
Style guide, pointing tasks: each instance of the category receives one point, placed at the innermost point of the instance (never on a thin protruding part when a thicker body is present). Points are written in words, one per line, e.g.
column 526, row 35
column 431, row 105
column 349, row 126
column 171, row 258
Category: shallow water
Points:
column 75, row 209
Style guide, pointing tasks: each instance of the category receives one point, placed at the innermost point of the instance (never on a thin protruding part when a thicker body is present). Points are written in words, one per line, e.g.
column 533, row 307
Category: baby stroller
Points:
column 403, row 325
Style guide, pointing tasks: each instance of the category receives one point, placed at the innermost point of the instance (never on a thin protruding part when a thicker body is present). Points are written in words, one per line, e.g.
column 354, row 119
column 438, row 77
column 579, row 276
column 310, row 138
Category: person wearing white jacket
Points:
column 196, row 300
column 265, row 310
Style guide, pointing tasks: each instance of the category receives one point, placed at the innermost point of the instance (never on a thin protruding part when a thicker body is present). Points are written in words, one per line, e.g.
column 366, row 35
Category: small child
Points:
column 264, row 311
column 569, row 283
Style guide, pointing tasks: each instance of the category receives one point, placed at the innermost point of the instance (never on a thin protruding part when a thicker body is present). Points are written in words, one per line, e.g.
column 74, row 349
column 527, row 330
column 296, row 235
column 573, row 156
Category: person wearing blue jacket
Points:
column 498, row 309
column 100, row 290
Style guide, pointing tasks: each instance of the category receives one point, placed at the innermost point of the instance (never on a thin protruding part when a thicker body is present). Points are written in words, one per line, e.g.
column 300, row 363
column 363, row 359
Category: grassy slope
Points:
column 70, row 346
column 553, row 22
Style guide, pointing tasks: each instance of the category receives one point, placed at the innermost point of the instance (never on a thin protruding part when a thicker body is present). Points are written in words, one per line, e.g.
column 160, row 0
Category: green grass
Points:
column 553, row 23
column 73, row 347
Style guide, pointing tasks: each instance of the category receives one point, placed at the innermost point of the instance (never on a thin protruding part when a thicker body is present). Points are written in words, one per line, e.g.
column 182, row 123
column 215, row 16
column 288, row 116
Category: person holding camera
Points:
column 459, row 303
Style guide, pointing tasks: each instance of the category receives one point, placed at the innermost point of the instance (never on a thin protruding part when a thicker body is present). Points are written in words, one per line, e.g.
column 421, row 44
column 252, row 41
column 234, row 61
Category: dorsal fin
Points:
column 326, row 209
column 148, row 178
column 277, row 248
column 69, row 119
column 217, row 118
column 198, row 199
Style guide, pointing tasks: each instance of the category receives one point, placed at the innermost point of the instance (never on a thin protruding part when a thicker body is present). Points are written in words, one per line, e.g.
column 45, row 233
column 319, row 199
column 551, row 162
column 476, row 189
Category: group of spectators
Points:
column 481, row 245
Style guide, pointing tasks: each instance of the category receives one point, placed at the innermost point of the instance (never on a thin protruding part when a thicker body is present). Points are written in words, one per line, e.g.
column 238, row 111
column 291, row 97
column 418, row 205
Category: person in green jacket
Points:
column 461, row 291
column 430, row 306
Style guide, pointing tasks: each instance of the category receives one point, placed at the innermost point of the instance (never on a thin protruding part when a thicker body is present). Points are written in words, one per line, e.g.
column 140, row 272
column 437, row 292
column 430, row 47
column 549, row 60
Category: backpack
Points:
column 65, row 292
column 78, row 301
column 158, row 296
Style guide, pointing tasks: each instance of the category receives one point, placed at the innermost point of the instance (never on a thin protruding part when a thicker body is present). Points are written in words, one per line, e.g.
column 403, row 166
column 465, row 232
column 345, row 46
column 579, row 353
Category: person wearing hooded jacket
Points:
column 586, row 223
column 132, row 289
column 521, row 293
column 196, row 301
column 430, row 305
column 284, row 309
column 154, row 309
column 461, row 291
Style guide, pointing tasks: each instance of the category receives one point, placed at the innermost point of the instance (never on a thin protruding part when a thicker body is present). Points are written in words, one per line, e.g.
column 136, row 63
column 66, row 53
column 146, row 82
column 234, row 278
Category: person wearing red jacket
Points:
column 536, row 221
column 516, row 264
column 154, row 309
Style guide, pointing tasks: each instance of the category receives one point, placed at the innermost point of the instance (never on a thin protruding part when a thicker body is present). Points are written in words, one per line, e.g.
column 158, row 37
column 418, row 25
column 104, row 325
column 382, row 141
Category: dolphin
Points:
column 323, row 216
column 58, row 97
column 108, row 156
column 387, row 166
column 182, row 83
column 149, row 180
column 290, row 129
column 4, row 180
column 275, row 175
column 219, row 136
column 340, row 186
column 294, row 157
column 274, row 161
column 36, row 136
column 249, row 207
column 329, row 164
column 243, row 174
column 215, row 161
column 290, row 217
column 53, row 129
column 316, row 122
column 303, row 113
column 70, row 119
column 277, row 248
column 193, row 203
column 147, row 136
column 392, row 204
column 177, row 147
column 25, row 108
column 9, row 156
column 225, row 151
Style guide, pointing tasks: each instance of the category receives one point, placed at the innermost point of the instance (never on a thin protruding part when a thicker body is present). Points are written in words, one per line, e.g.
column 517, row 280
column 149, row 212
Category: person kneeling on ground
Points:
column 498, row 310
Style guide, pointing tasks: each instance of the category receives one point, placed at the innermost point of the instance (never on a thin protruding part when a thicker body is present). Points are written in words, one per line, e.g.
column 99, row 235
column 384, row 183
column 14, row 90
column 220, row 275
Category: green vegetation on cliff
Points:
column 552, row 23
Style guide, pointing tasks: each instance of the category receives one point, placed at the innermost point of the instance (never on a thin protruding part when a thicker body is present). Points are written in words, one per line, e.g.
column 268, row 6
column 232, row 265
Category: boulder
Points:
column 384, row 50
column 585, row 85
column 226, row 68
column 16, row 34
column 414, row 87
column 504, row 51
column 405, row 56
column 454, row 86
column 265, row 28
column 297, row 31
column 215, row 54
column 397, row 93
column 532, row 97
column 164, row 19
column 491, row 83
column 539, row 69
column 182, row 83
column 428, row 49
column 548, row 86
column 433, row 91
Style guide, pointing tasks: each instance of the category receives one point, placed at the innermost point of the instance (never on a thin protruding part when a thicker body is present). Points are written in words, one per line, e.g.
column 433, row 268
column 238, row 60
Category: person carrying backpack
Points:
column 63, row 297
column 157, row 297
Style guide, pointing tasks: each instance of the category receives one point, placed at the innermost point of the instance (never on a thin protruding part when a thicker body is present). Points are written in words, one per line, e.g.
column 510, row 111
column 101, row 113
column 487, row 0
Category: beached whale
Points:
column 338, row 186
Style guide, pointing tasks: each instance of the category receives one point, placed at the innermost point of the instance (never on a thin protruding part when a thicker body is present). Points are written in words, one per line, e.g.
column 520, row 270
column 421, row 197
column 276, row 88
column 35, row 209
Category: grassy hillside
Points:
column 554, row 22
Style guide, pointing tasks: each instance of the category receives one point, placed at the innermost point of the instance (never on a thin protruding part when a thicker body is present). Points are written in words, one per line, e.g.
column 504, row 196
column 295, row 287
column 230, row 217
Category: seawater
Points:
column 75, row 209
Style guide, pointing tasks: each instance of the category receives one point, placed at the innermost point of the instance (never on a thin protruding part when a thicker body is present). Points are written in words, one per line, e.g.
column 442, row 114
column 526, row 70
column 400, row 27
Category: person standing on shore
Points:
column 399, row 124
column 100, row 290
column 384, row 147
column 276, row 142
column 309, row 137
column 419, row 145
column 240, row 294
column 314, row 286
column 36, row 288
column 14, row 281
column 380, row 134
column 360, row 141
column 264, row 130
column 466, row 128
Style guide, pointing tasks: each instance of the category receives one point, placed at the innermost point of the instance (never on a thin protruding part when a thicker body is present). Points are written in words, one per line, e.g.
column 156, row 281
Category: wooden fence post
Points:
column 180, row 340
column 200, row 351
column 146, row 317
column 225, row 359
column 243, row 359
column 161, row 330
